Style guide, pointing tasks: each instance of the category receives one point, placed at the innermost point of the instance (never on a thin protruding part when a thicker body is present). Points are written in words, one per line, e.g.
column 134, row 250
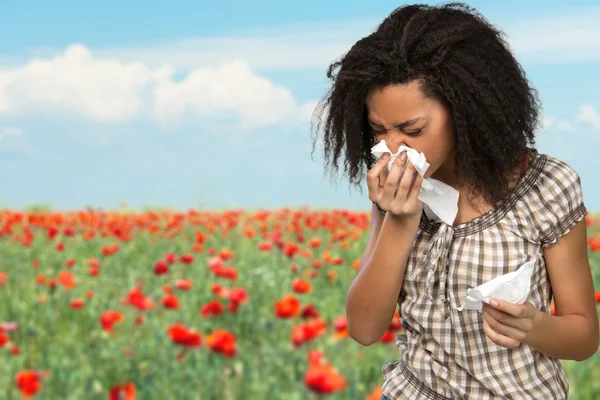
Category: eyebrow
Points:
column 401, row 125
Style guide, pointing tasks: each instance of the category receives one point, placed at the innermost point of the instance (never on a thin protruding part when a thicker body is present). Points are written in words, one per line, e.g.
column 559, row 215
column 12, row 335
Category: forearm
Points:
column 376, row 223
column 566, row 337
column 373, row 295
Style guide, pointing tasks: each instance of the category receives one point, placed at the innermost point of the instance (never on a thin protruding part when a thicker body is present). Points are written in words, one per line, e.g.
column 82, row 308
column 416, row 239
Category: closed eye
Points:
column 415, row 132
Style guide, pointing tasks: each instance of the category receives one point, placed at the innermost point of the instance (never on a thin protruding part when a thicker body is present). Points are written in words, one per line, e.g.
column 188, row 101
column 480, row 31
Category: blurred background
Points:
column 135, row 101
column 203, row 109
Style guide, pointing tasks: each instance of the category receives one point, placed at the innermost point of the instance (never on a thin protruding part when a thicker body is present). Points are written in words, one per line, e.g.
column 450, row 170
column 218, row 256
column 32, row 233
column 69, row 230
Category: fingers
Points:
column 503, row 318
column 396, row 190
column 382, row 177
column 390, row 186
column 500, row 339
column 516, row 310
column 406, row 182
column 504, row 328
column 524, row 321
column 374, row 173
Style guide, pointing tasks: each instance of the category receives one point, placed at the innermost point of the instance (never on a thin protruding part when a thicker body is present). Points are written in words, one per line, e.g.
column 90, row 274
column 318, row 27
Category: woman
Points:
column 441, row 81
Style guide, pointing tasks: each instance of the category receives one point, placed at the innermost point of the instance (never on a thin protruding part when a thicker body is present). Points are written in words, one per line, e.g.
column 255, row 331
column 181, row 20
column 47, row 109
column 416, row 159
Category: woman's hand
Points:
column 397, row 191
column 508, row 324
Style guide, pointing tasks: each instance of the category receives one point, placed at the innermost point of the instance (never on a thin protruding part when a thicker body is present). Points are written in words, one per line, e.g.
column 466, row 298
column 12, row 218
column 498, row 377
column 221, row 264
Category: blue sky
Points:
column 207, row 104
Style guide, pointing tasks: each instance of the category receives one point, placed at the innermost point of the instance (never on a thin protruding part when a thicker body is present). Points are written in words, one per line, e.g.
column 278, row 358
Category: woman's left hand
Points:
column 508, row 324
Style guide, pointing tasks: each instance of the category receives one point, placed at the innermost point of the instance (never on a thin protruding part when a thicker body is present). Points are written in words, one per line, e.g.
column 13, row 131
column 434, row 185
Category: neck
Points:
column 446, row 173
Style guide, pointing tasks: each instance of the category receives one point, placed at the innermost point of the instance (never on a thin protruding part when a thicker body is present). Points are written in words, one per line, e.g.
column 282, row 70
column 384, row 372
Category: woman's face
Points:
column 401, row 115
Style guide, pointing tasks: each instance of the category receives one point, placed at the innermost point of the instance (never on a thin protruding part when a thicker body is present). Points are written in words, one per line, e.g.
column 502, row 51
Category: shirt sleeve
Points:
column 558, row 201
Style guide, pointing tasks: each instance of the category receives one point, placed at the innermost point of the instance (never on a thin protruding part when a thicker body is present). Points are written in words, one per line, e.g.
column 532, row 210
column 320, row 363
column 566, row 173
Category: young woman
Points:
column 441, row 80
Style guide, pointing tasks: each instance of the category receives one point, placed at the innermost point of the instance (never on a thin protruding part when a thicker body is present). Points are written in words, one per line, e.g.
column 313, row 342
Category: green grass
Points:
column 85, row 361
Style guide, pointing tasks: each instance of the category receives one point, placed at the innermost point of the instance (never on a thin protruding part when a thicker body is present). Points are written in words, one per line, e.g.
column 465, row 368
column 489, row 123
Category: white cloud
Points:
column 545, row 122
column 565, row 126
column 220, row 78
column 300, row 46
column 8, row 144
column 562, row 125
column 560, row 38
column 109, row 90
column 233, row 87
column 76, row 82
column 9, row 131
column 308, row 109
column 590, row 115
column 549, row 39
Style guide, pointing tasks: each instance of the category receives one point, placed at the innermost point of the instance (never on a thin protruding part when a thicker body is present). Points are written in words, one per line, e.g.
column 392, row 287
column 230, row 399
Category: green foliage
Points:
column 85, row 361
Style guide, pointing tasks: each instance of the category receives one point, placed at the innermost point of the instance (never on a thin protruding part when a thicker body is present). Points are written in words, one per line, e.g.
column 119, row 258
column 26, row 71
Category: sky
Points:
column 207, row 105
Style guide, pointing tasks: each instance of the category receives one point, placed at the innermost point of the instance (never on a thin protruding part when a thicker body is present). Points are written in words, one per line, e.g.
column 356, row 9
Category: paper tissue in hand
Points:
column 513, row 287
column 440, row 200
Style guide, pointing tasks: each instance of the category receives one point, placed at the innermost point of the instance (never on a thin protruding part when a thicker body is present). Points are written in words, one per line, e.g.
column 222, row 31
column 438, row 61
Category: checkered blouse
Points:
column 444, row 353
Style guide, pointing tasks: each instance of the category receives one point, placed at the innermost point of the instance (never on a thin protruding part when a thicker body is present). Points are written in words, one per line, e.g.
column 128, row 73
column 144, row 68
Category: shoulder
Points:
column 555, row 197
column 556, row 175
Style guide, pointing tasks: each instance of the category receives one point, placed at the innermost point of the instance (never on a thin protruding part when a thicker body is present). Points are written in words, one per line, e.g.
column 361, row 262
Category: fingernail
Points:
column 403, row 156
column 494, row 303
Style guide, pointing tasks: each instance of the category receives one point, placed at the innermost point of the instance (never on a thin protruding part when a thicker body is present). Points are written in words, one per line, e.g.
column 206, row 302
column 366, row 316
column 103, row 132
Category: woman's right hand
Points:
column 395, row 192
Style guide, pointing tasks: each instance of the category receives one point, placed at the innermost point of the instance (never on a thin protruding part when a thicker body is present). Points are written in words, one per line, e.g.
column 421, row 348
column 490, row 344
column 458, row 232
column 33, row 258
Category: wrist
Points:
column 403, row 218
column 537, row 321
column 406, row 220
column 381, row 210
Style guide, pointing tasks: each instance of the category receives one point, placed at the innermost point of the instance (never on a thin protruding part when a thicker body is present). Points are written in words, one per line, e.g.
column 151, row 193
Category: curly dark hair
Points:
column 462, row 61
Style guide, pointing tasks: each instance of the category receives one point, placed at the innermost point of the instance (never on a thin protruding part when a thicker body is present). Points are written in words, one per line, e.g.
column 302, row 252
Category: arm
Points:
column 376, row 223
column 574, row 329
column 373, row 295
column 573, row 333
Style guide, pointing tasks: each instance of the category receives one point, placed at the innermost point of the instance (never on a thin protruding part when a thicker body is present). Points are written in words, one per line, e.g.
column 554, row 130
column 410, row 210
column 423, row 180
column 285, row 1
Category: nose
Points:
column 394, row 141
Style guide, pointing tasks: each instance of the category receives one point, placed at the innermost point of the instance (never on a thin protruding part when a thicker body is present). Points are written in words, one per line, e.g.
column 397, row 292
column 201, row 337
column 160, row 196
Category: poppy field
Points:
column 195, row 305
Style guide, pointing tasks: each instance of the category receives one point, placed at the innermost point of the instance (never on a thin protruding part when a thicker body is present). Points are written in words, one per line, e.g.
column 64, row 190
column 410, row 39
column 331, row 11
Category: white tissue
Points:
column 513, row 287
column 440, row 200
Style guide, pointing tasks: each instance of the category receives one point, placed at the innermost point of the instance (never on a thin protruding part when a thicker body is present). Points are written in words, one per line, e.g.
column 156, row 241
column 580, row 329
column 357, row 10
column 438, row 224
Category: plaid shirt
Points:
column 444, row 353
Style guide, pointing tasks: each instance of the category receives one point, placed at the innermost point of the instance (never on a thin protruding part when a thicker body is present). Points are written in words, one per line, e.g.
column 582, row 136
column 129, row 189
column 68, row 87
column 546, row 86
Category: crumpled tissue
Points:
column 440, row 200
column 513, row 287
